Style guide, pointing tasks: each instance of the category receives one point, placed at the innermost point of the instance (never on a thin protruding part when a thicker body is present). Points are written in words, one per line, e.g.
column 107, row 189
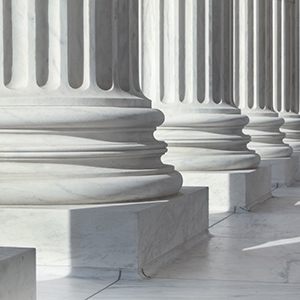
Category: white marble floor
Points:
column 252, row 255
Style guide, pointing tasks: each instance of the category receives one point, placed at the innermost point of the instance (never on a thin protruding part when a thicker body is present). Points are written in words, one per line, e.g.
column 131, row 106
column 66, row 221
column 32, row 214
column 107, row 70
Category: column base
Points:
column 233, row 190
column 66, row 155
column 206, row 141
column 17, row 269
column 284, row 170
column 291, row 128
column 90, row 239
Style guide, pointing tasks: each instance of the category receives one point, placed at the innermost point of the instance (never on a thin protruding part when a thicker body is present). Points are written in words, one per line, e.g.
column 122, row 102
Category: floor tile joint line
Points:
column 119, row 277
column 234, row 211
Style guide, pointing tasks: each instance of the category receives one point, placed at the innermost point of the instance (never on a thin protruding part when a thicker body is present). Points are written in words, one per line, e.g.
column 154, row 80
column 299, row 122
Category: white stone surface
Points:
column 74, row 125
column 70, row 288
column 266, row 137
column 92, row 237
column 17, row 274
column 229, row 190
column 160, row 289
column 206, row 142
column 244, row 252
column 291, row 129
column 186, row 70
column 284, row 170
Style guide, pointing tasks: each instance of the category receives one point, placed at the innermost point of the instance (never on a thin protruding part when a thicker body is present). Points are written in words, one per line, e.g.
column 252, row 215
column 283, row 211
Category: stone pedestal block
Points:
column 17, row 274
column 229, row 190
column 297, row 153
column 92, row 238
column 284, row 170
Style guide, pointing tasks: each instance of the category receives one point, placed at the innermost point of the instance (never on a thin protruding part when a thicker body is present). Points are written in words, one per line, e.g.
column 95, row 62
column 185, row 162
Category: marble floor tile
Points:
column 274, row 219
column 160, row 289
column 259, row 226
column 290, row 192
column 238, row 259
column 56, row 284
column 69, row 288
column 217, row 217
column 278, row 205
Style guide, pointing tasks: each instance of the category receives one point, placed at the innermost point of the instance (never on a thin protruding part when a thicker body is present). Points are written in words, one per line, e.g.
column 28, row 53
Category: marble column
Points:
column 286, row 68
column 74, row 126
column 253, row 77
column 187, row 73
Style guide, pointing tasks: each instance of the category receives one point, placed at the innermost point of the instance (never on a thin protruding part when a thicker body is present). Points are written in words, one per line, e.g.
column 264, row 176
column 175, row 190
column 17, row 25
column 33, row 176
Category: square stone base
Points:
column 17, row 274
column 297, row 153
column 125, row 236
column 284, row 170
column 233, row 190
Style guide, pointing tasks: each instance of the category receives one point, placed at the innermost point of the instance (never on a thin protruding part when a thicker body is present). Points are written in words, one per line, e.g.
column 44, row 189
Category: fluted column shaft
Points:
column 74, row 125
column 187, row 73
column 286, row 68
column 253, row 77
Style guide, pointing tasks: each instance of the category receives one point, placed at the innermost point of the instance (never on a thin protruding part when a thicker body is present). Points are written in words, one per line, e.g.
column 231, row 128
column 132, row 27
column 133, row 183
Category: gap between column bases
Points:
column 232, row 190
column 284, row 170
